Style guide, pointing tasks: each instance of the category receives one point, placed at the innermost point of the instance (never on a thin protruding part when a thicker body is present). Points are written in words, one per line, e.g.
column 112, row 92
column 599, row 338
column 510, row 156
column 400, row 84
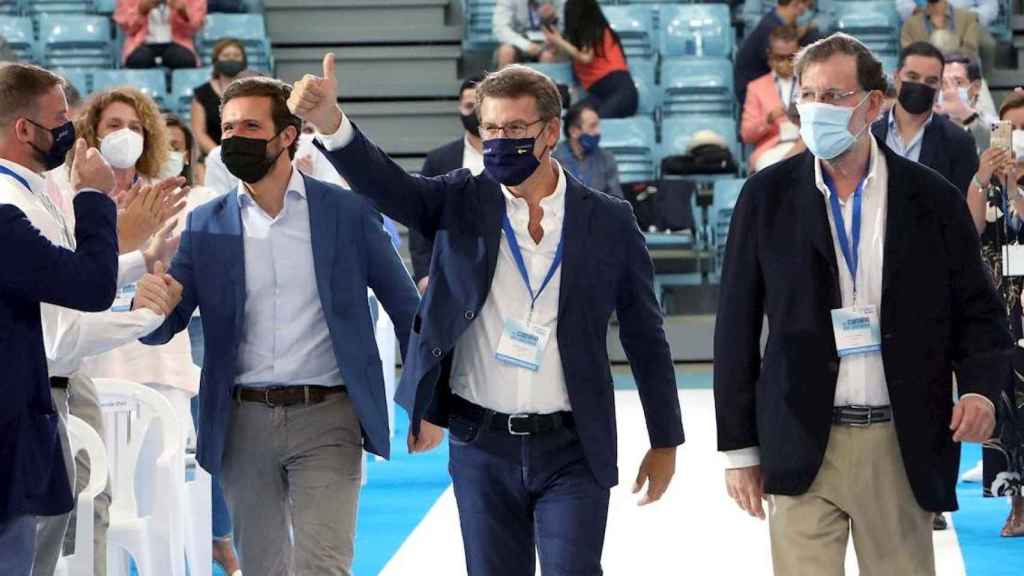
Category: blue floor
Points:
column 977, row 526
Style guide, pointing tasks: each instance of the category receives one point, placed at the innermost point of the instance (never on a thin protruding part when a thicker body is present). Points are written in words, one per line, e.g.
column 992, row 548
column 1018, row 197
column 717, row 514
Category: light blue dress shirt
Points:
column 912, row 150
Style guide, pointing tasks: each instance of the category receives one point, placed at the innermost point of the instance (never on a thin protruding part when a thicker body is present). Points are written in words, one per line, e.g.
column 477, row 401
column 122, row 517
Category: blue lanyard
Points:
column 851, row 254
column 16, row 176
column 517, row 255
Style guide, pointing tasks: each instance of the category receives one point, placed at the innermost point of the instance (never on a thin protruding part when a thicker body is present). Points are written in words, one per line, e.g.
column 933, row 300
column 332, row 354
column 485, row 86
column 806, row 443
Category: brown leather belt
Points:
column 59, row 382
column 287, row 395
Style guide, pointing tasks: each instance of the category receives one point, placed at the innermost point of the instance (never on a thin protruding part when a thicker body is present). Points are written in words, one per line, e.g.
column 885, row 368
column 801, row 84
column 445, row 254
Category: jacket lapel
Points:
column 323, row 234
column 815, row 222
column 230, row 222
column 899, row 224
column 492, row 207
column 578, row 205
column 929, row 153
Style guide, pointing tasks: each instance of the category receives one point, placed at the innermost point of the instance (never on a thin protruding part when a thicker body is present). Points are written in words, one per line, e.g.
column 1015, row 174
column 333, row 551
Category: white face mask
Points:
column 174, row 165
column 1017, row 140
column 122, row 148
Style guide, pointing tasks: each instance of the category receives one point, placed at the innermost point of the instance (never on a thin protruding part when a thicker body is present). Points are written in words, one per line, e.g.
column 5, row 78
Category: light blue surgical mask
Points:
column 964, row 96
column 825, row 128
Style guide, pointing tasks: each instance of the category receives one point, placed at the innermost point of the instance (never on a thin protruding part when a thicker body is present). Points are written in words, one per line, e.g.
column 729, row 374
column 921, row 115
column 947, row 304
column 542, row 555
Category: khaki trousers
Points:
column 862, row 488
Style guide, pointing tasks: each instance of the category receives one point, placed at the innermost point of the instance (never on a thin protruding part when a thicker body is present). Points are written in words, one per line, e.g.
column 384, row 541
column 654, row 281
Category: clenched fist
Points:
column 315, row 99
column 158, row 291
column 90, row 170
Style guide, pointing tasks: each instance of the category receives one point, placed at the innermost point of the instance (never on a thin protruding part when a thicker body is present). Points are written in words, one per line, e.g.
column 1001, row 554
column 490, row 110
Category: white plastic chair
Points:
column 84, row 438
column 156, row 540
column 199, row 519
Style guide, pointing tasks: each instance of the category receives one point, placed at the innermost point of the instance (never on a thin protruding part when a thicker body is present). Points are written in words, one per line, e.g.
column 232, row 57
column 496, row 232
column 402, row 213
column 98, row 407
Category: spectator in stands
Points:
column 914, row 131
column 465, row 152
column 229, row 63
column 160, row 29
column 964, row 98
column 75, row 100
column 752, row 56
column 519, row 27
column 947, row 28
column 597, row 59
column 6, row 54
column 581, row 153
column 765, row 123
column 985, row 10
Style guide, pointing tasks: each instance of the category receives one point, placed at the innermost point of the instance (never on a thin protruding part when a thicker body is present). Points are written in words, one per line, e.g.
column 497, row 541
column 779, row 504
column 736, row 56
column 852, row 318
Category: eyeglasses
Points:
column 512, row 129
column 830, row 96
column 783, row 57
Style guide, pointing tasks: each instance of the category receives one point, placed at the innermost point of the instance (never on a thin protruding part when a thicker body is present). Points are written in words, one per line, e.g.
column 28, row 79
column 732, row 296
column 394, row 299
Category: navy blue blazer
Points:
column 605, row 268
column 33, row 479
column 441, row 160
column 351, row 251
column 945, row 147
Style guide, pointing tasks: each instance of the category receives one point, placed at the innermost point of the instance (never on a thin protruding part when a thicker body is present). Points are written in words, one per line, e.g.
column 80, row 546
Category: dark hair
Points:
column 73, row 96
column 190, row 150
column 225, row 43
column 21, row 86
column 585, row 26
column 969, row 62
column 869, row 70
column 278, row 93
column 470, row 83
column 515, row 81
column 1012, row 101
column 786, row 33
column 574, row 116
column 921, row 49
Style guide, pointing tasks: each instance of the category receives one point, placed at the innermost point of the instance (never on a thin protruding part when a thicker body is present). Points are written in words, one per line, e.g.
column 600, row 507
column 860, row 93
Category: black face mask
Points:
column 63, row 140
column 246, row 158
column 916, row 98
column 228, row 68
column 471, row 123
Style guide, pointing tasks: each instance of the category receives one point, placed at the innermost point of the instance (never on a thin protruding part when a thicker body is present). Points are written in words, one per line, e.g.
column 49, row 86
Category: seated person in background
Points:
column 963, row 98
column 464, row 152
column 752, row 56
column 947, row 28
column 6, row 54
column 597, row 59
column 518, row 25
column 229, row 62
column 985, row 10
column 890, row 99
column 765, row 122
column 581, row 154
column 160, row 29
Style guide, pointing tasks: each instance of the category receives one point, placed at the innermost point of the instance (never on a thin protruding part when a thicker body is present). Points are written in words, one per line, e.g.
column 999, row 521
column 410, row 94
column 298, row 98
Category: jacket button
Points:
column 470, row 315
column 436, row 352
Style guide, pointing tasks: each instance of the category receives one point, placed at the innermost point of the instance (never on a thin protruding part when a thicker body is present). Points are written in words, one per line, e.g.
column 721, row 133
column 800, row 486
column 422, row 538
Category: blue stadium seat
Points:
column 58, row 6
column 676, row 133
column 152, row 82
column 696, row 30
column 250, row 29
column 183, row 82
column 75, row 41
column 560, row 72
column 876, row 24
column 10, row 7
column 80, row 78
column 632, row 142
column 697, row 86
column 889, row 63
column 753, row 10
column 20, row 36
column 479, row 16
column 105, row 6
column 726, row 192
column 643, row 76
column 635, row 27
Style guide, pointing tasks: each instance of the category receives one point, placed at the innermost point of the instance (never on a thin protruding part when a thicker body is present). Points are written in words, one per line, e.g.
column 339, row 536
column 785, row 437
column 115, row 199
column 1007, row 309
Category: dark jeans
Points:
column 172, row 55
column 523, row 495
column 614, row 96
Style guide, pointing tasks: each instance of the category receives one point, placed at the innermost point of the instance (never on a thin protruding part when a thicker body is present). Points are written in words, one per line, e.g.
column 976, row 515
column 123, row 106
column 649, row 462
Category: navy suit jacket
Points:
column 33, row 479
column 945, row 148
column 605, row 268
column 351, row 251
column 441, row 160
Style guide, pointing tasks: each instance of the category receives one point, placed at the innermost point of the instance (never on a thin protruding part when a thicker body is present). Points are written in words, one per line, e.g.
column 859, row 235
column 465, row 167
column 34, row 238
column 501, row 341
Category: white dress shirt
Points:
column 286, row 340
column 472, row 158
column 786, row 87
column 69, row 336
column 477, row 374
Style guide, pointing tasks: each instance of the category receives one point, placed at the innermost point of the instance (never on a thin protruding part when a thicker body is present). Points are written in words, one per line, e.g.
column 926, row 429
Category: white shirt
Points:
column 785, row 86
column 285, row 340
column 472, row 158
column 159, row 31
column 477, row 375
column 69, row 336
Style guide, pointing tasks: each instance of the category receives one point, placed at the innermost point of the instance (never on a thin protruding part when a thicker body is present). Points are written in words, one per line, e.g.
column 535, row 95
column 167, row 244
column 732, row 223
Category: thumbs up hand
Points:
column 315, row 99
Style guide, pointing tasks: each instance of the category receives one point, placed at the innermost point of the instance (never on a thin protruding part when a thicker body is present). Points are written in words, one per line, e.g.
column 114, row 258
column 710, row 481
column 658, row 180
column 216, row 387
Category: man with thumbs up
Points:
column 509, row 347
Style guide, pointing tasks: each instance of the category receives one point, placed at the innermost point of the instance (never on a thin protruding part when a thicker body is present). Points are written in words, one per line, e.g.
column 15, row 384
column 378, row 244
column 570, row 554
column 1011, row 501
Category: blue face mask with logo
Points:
column 589, row 143
column 63, row 140
column 510, row 161
column 825, row 128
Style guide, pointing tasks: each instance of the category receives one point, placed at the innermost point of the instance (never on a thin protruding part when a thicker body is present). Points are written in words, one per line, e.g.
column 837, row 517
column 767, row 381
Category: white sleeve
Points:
column 130, row 268
column 905, row 8
column 987, row 11
column 218, row 178
column 502, row 25
column 742, row 458
column 69, row 336
column 341, row 138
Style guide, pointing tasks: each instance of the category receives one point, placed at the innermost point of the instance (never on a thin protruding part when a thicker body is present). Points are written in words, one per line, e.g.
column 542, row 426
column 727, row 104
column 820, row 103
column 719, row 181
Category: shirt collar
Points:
column 35, row 182
column 552, row 203
column 819, row 178
column 469, row 146
column 296, row 185
column 892, row 125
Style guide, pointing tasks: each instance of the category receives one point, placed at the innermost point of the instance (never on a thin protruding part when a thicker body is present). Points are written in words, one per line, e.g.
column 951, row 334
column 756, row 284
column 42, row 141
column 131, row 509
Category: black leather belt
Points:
column 59, row 382
column 861, row 415
column 512, row 424
column 287, row 395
